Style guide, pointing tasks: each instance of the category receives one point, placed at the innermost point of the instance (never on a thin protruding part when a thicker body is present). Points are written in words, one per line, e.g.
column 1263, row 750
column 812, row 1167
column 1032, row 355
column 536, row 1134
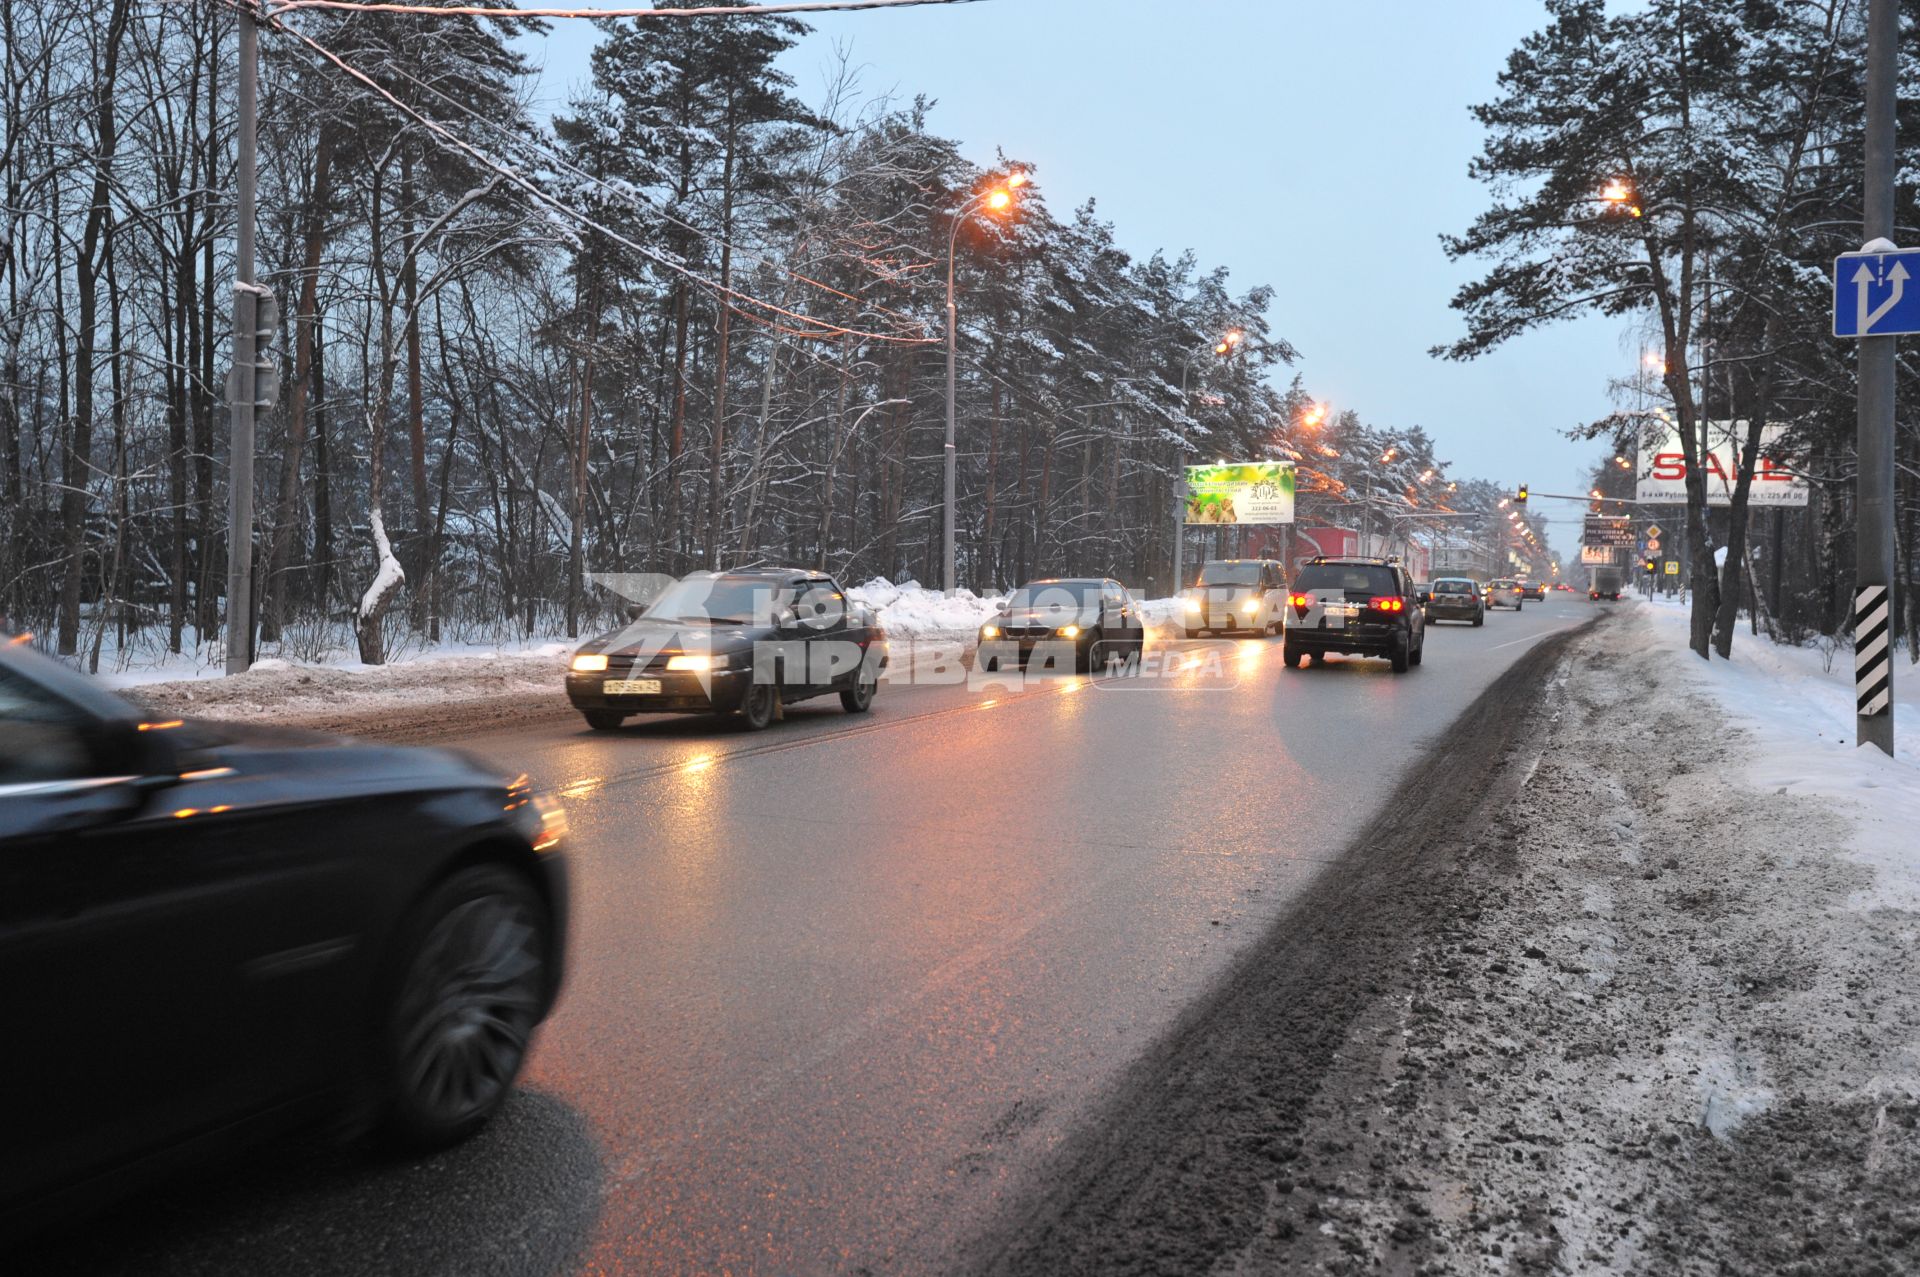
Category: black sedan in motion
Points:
column 1092, row 620
column 211, row 933
column 740, row 643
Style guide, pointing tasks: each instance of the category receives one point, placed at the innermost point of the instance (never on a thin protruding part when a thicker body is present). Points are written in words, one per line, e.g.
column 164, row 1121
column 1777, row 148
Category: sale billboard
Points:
column 1663, row 468
column 1240, row 492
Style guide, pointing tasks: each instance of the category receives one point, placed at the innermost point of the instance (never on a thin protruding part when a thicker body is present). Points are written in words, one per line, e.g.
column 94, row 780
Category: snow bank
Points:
column 912, row 612
column 1801, row 715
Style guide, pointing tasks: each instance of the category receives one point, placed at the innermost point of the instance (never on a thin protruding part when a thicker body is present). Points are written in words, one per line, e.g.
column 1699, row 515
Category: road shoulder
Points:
column 1582, row 1000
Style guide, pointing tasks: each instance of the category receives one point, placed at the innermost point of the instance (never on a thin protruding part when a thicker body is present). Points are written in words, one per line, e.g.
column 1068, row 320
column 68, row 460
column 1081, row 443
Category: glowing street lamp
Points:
column 998, row 199
column 1620, row 194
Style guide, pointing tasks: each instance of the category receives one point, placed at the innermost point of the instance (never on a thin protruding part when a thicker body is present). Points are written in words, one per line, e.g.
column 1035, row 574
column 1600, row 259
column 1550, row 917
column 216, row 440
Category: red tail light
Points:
column 1301, row 602
column 1389, row 603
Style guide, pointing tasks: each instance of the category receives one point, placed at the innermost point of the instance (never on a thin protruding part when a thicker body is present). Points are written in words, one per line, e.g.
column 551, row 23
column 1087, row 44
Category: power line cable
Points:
column 514, row 15
column 626, row 191
column 818, row 328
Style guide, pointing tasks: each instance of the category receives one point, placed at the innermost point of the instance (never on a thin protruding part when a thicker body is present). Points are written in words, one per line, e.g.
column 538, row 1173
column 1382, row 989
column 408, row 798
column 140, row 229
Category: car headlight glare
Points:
column 1069, row 631
column 1193, row 605
column 691, row 664
column 1251, row 607
column 585, row 664
column 989, row 631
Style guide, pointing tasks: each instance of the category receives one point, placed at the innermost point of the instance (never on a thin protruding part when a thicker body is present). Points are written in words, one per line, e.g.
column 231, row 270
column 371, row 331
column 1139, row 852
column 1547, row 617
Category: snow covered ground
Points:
column 1798, row 704
column 1671, row 1024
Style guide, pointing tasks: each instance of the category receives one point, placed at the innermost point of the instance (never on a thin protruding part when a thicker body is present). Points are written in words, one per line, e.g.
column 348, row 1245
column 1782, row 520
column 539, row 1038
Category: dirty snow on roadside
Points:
column 1675, row 1025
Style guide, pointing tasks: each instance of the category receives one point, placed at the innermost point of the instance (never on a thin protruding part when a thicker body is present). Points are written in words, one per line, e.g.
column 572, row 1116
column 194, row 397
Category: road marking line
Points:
column 1532, row 638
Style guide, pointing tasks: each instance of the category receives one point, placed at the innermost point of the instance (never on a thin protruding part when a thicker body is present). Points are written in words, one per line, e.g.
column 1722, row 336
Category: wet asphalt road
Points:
column 834, row 986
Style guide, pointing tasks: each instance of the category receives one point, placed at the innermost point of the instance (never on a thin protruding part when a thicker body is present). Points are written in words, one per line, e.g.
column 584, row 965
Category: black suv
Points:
column 1364, row 606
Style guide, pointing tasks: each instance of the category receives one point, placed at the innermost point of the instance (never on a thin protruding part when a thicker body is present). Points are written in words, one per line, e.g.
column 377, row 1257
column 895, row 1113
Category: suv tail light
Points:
column 1388, row 603
column 1301, row 602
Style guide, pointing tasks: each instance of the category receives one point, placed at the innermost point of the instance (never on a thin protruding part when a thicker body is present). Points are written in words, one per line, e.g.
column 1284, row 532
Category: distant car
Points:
column 1363, row 606
column 218, row 932
column 1234, row 595
column 733, row 643
column 1533, row 590
column 1504, row 592
column 1091, row 621
column 1456, row 598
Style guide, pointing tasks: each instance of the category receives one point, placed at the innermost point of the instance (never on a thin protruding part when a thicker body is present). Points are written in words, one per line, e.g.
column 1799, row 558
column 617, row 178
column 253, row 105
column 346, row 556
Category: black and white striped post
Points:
column 1872, row 652
column 1873, row 491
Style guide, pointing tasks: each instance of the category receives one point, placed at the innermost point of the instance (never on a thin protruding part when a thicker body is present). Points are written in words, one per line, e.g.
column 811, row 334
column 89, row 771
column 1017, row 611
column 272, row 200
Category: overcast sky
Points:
column 1320, row 146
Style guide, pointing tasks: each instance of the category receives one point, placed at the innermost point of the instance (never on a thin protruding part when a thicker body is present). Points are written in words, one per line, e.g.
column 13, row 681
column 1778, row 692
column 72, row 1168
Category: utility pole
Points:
column 1873, row 495
column 241, row 393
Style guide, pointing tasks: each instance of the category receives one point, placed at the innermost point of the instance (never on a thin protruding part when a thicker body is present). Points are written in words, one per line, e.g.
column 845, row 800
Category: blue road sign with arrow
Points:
column 1876, row 294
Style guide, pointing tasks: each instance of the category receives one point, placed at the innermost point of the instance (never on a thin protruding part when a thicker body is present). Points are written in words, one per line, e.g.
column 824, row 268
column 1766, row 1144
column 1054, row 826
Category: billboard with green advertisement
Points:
column 1240, row 493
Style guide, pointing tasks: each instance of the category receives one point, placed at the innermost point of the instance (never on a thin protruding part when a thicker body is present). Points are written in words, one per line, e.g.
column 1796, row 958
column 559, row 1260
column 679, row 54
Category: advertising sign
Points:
column 1663, row 469
column 1240, row 493
column 1607, row 530
column 1597, row 556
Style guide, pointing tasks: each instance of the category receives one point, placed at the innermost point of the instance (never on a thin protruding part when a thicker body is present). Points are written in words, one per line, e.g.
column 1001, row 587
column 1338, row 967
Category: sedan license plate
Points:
column 630, row 687
column 1342, row 610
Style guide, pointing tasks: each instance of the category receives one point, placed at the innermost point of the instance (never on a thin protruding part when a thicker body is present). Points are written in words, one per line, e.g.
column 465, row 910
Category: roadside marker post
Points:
column 1871, row 303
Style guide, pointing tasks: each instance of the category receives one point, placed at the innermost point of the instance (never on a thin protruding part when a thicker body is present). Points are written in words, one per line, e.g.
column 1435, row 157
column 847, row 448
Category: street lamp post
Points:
column 1227, row 344
column 996, row 198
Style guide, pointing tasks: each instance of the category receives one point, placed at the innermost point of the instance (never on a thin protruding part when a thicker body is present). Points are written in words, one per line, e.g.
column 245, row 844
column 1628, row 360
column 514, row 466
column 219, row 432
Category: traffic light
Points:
column 1520, row 497
column 257, row 323
column 1649, row 565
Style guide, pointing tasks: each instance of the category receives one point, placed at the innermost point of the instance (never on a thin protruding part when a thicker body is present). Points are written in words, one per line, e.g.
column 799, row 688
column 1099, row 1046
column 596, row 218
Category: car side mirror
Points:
column 635, row 611
column 1426, row 596
column 786, row 618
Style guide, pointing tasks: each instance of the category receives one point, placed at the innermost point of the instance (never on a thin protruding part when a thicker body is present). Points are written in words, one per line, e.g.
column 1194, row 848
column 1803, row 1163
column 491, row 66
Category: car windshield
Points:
column 721, row 600
column 1230, row 574
column 1453, row 587
column 1054, row 595
column 1356, row 580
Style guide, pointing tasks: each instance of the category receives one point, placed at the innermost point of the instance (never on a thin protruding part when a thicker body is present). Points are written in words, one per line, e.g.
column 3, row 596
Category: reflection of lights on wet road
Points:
column 698, row 764
column 583, row 787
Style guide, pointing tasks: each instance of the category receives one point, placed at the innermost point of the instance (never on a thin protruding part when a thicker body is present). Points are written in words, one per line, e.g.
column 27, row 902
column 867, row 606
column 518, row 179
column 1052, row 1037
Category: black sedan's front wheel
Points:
column 473, row 978
column 760, row 706
column 858, row 699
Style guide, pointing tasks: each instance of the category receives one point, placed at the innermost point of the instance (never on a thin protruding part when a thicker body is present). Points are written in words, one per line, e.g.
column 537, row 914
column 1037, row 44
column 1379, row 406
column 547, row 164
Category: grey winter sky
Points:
column 1320, row 146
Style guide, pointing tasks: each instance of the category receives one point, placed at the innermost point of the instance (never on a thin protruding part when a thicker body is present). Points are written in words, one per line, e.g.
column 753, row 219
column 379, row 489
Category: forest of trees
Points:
column 693, row 321
column 1695, row 167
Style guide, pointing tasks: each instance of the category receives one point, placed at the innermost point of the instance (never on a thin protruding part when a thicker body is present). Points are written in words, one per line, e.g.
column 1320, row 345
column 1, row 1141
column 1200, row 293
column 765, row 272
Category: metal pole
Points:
column 953, row 345
column 1873, row 556
column 241, row 395
column 1180, row 494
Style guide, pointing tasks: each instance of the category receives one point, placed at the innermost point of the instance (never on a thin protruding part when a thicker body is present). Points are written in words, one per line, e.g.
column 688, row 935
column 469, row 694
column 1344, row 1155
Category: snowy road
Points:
column 836, row 985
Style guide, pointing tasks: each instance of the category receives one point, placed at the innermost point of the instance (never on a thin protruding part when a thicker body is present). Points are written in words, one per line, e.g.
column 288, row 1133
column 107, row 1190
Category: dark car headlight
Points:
column 699, row 662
